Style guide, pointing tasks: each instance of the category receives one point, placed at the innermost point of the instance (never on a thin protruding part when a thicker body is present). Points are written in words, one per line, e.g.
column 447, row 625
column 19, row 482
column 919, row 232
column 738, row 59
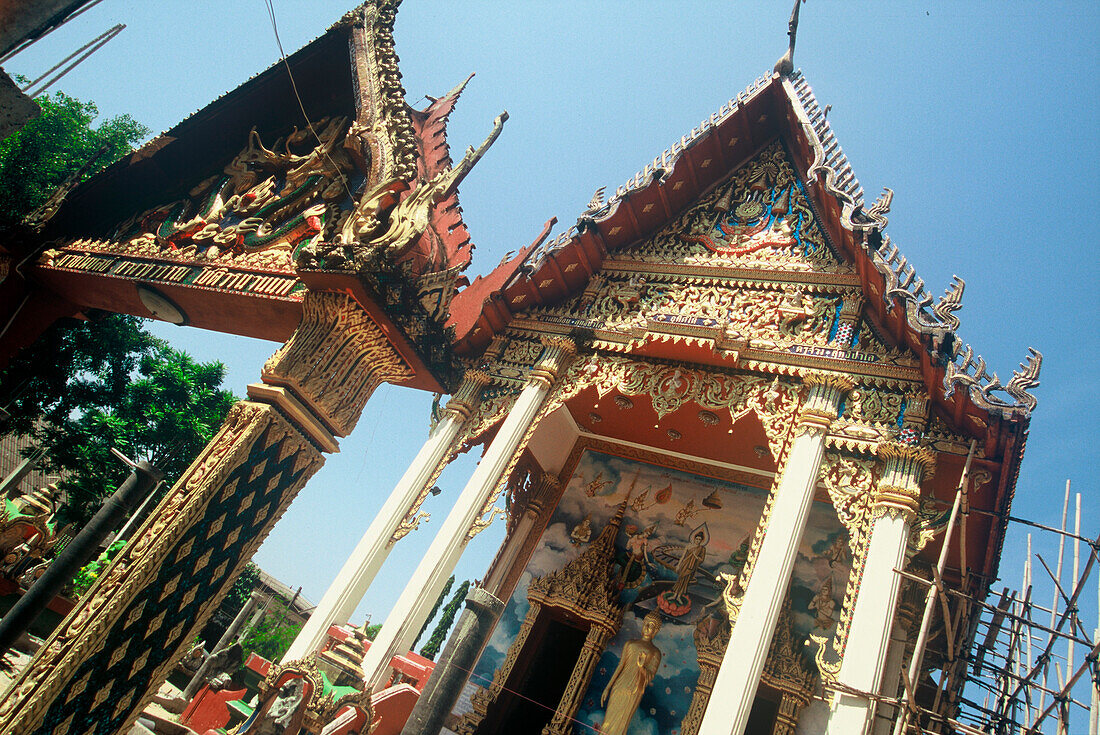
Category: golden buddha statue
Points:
column 636, row 669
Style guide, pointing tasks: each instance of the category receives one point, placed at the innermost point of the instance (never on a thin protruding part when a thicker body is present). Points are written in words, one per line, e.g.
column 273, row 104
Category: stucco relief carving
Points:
column 335, row 359
column 759, row 217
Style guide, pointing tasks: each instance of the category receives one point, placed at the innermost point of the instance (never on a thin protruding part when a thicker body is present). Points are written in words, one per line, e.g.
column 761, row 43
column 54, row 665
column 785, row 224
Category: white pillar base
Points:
column 873, row 617
column 739, row 675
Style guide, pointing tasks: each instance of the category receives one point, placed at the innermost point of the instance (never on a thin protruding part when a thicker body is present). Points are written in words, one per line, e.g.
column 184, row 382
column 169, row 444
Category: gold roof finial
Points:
column 785, row 65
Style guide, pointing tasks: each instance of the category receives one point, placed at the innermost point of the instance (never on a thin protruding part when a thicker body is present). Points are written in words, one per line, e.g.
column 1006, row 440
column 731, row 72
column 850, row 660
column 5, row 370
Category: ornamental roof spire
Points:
column 785, row 65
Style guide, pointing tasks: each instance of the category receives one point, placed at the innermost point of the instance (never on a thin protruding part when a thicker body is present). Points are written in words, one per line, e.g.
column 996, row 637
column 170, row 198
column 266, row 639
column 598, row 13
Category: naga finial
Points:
column 785, row 65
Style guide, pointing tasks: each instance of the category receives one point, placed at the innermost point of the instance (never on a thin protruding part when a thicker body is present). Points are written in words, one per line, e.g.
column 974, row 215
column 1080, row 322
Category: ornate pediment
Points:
column 759, row 217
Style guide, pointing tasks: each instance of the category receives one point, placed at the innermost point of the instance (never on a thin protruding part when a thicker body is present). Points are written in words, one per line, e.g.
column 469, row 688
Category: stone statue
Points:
column 222, row 665
column 279, row 714
column 636, row 669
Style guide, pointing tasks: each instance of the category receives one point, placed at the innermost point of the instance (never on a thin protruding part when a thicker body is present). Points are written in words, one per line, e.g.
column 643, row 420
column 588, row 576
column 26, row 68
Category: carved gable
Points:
column 759, row 217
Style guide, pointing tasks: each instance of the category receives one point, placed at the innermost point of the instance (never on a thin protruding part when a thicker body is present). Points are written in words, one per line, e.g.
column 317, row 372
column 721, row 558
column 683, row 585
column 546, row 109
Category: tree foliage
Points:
column 446, row 620
column 90, row 572
column 83, row 388
column 166, row 413
column 242, row 587
column 73, row 366
column 438, row 601
column 272, row 635
column 36, row 160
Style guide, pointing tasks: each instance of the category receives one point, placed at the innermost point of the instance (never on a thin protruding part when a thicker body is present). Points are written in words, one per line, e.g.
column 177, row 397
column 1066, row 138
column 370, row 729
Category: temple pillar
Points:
column 104, row 663
column 449, row 676
column 347, row 590
column 483, row 607
column 413, row 606
column 883, row 721
column 739, row 675
column 524, row 533
column 484, row 697
column 594, row 642
column 896, row 502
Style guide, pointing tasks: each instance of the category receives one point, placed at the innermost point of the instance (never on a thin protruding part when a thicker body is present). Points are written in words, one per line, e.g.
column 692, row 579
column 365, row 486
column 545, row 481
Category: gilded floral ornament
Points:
column 850, row 483
column 759, row 217
column 931, row 519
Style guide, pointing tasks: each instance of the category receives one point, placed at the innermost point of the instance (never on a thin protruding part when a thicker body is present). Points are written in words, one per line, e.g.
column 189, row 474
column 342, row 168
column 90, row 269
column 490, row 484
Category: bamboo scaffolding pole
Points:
column 1027, row 612
column 1094, row 709
column 1033, row 524
column 1076, row 564
column 1075, row 622
column 1054, row 602
column 985, row 686
column 1042, row 663
column 930, row 596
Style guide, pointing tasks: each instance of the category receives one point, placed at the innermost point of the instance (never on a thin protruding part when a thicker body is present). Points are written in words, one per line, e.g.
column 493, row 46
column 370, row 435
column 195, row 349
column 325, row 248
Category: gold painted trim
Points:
column 303, row 418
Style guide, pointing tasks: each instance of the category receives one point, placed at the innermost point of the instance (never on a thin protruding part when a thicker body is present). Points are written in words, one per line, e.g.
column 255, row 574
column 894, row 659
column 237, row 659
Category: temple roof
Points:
column 975, row 403
column 351, row 70
column 772, row 105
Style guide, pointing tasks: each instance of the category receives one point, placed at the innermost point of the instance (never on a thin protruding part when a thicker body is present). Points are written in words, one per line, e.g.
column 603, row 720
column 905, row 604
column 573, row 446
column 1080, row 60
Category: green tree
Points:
column 73, row 366
column 36, row 160
column 438, row 601
column 242, row 586
column 166, row 412
column 446, row 620
column 272, row 635
column 90, row 572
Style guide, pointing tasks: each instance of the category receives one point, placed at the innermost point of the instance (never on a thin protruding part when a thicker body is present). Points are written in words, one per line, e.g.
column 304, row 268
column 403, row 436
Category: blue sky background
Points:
column 981, row 116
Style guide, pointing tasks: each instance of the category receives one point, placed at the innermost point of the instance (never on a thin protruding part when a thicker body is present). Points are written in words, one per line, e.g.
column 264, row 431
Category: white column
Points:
column 882, row 723
column 347, row 590
column 735, row 686
column 412, row 607
column 544, row 487
column 896, row 503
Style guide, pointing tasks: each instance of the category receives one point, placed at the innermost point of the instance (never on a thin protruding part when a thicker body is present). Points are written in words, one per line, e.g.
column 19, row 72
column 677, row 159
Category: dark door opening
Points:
column 537, row 682
column 762, row 715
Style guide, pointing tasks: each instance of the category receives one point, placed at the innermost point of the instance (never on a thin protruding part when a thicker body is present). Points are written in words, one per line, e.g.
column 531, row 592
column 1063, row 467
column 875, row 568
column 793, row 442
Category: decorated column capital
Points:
column 335, row 359
column 848, row 319
column 544, row 489
column 903, row 468
column 826, row 391
column 556, row 350
column 468, row 394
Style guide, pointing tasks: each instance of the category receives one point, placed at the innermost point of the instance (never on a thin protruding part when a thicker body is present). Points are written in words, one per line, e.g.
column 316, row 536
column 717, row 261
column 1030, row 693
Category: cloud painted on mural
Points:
column 665, row 508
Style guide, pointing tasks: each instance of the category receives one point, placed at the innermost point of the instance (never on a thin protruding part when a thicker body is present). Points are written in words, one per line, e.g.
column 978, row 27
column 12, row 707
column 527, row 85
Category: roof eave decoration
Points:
column 936, row 323
column 402, row 233
column 656, row 171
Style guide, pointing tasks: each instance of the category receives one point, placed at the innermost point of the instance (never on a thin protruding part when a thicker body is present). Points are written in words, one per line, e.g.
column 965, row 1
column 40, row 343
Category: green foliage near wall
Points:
column 272, row 635
column 36, row 160
column 446, row 620
column 90, row 572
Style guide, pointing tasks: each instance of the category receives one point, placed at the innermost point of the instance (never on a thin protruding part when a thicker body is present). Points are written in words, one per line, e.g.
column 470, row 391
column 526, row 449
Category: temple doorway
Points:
column 765, row 710
column 538, row 679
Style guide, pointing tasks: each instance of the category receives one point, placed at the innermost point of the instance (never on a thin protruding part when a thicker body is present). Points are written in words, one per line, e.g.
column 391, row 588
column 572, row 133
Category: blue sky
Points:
column 981, row 117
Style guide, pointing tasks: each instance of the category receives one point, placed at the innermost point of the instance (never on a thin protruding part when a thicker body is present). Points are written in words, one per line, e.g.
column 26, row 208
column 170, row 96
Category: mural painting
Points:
column 680, row 530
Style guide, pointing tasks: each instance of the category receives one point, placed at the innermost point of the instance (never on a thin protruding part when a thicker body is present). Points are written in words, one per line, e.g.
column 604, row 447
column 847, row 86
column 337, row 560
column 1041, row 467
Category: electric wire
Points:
column 301, row 105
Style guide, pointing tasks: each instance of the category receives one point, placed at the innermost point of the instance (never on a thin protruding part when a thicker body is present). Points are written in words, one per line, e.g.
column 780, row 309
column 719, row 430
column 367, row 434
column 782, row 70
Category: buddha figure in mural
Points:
column 637, row 667
column 676, row 602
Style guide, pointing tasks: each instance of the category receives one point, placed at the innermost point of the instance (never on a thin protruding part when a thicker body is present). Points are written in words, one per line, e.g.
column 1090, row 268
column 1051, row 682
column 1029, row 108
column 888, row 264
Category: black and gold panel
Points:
column 142, row 643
